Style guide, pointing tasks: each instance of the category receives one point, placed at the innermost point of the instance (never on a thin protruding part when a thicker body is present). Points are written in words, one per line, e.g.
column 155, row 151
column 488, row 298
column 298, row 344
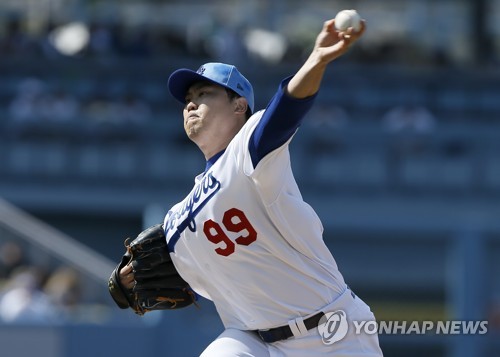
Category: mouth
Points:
column 191, row 117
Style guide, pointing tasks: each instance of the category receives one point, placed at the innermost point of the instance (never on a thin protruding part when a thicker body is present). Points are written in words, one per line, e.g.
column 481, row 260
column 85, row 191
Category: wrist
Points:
column 317, row 60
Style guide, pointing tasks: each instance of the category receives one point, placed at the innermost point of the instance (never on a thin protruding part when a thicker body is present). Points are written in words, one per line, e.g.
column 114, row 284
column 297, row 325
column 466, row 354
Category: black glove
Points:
column 158, row 285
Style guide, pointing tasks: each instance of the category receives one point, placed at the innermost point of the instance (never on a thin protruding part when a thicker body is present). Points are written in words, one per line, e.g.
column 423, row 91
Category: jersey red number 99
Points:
column 234, row 220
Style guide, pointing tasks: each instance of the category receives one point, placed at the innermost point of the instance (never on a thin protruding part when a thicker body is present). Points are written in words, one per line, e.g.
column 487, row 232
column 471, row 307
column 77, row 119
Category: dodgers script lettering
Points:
column 176, row 221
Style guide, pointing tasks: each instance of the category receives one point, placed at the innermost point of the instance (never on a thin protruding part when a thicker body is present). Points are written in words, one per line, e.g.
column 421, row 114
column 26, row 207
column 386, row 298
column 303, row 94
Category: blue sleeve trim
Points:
column 282, row 117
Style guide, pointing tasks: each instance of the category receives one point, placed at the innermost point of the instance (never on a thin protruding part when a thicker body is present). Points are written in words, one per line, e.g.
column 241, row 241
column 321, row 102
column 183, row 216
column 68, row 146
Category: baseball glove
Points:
column 158, row 285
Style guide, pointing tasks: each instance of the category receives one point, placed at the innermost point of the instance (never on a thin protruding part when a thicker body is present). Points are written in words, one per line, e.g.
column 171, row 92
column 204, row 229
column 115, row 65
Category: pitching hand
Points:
column 332, row 43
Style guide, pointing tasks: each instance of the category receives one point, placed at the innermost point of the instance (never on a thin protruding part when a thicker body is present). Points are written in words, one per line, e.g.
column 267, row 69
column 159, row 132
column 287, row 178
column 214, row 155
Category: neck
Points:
column 214, row 142
column 212, row 148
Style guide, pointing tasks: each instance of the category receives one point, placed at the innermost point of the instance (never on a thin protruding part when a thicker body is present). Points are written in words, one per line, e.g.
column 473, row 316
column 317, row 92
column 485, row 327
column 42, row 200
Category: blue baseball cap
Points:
column 219, row 73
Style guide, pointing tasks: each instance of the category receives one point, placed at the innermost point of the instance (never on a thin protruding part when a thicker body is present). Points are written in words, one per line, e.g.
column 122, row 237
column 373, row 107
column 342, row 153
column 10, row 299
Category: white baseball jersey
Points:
column 245, row 239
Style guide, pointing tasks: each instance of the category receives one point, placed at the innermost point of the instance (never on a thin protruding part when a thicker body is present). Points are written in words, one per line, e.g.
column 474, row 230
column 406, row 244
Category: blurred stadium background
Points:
column 400, row 158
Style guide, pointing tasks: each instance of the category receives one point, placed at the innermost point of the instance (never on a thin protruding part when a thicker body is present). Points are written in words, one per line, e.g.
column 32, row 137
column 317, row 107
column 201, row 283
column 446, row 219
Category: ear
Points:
column 241, row 105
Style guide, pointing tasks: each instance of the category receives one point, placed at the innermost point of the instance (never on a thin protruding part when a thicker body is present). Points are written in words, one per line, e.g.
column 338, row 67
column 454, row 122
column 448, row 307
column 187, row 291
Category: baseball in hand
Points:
column 346, row 19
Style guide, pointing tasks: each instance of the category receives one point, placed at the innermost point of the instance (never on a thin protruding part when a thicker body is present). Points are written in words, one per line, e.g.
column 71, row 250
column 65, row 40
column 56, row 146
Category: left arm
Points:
column 285, row 111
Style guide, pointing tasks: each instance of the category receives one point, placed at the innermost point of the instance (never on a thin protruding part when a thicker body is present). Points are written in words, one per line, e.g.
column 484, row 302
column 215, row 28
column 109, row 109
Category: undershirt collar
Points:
column 213, row 159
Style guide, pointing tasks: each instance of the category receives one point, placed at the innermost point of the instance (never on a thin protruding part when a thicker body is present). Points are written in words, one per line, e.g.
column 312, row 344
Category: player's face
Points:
column 208, row 110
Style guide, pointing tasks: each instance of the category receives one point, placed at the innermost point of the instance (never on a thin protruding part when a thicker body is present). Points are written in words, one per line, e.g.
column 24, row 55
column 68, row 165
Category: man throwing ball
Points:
column 243, row 237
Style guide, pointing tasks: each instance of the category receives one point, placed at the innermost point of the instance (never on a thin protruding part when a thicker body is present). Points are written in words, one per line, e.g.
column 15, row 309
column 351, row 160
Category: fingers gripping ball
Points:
column 346, row 19
column 158, row 285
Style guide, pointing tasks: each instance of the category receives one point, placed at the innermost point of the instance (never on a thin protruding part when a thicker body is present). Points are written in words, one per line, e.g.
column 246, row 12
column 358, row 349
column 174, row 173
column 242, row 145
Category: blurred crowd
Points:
column 33, row 98
column 34, row 293
column 35, row 101
column 108, row 39
column 104, row 40
column 42, row 99
column 215, row 38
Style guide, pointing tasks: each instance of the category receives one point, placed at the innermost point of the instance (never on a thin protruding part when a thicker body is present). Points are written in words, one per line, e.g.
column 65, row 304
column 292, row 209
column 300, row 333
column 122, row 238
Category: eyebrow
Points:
column 201, row 85
column 198, row 86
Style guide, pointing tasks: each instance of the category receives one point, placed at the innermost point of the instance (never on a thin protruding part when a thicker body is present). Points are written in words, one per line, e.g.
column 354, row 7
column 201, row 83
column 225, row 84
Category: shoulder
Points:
column 248, row 128
column 255, row 118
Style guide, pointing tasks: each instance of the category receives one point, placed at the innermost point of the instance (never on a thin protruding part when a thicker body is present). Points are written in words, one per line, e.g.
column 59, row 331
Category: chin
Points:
column 191, row 132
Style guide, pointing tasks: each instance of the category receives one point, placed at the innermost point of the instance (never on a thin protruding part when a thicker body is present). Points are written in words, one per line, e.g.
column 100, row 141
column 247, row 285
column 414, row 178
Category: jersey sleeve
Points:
column 281, row 118
column 260, row 149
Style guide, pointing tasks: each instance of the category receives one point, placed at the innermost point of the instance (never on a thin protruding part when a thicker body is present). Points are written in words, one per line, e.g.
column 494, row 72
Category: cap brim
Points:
column 180, row 81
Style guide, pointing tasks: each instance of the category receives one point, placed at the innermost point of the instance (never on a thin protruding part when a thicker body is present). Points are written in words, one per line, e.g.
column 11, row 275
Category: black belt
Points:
column 285, row 332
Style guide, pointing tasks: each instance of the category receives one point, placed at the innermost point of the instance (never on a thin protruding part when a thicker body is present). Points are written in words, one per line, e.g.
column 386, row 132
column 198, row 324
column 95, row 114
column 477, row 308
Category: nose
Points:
column 190, row 106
